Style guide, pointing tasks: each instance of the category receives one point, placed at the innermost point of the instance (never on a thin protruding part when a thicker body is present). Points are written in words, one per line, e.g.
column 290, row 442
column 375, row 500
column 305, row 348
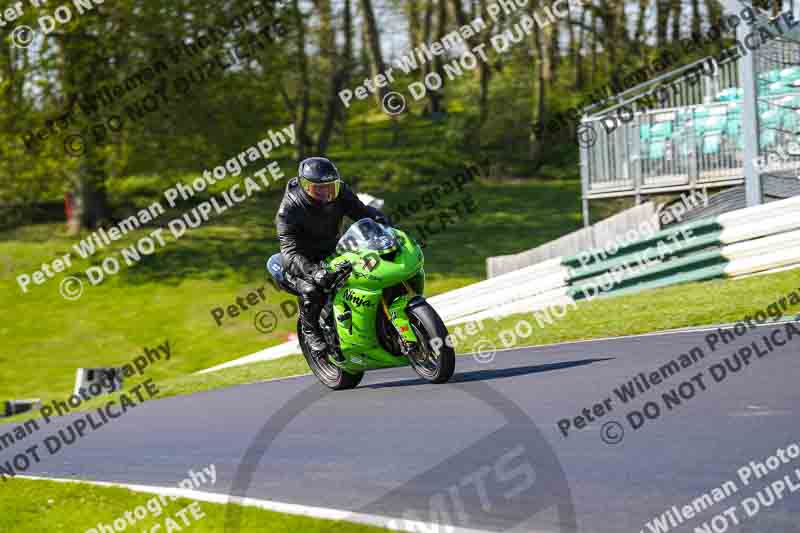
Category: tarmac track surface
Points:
column 483, row 452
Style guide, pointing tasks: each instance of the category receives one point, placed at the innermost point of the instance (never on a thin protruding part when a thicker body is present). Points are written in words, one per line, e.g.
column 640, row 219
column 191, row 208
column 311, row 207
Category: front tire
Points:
column 432, row 365
column 329, row 374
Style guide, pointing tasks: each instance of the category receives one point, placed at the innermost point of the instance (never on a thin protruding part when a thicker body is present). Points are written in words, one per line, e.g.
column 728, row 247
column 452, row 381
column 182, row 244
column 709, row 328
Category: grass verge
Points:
column 38, row 505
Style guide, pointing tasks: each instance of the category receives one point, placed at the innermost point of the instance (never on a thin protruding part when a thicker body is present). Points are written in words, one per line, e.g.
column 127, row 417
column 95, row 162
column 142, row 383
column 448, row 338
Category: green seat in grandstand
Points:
column 710, row 123
column 734, row 111
column 713, row 128
column 729, row 95
column 644, row 133
column 661, row 130
column 715, row 123
column 768, row 139
column 699, row 128
column 683, row 116
column 700, row 112
column 769, row 76
column 712, row 143
column 789, row 74
column 770, row 118
column 733, row 128
column 660, row 133
column 657, row 149
column 789, row 119
column 681, row 146
column 717, row 110
column 778, row 87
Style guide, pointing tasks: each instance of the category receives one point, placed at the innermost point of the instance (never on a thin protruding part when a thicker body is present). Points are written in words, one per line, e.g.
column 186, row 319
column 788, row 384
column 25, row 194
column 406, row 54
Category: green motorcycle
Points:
column 375, row 315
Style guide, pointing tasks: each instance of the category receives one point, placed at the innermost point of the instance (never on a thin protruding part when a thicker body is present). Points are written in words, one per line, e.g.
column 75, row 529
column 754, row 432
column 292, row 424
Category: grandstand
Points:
column 697, row 136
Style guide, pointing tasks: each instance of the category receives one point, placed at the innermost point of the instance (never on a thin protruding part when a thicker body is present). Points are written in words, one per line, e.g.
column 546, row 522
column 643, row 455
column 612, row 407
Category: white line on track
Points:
column 393, row 524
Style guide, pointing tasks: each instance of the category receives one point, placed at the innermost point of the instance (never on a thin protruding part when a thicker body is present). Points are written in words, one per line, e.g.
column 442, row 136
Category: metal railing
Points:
column 644, row 144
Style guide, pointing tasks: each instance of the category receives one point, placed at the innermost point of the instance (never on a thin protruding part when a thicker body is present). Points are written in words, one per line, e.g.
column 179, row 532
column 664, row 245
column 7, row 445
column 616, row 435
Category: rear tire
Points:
column 329, row 374
column 428, row 325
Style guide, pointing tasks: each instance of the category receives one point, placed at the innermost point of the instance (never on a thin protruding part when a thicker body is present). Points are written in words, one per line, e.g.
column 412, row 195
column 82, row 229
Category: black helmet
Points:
column 319, row 179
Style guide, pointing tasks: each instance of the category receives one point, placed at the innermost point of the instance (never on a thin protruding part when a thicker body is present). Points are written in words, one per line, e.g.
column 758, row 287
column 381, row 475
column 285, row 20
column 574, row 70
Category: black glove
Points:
column 324, row 278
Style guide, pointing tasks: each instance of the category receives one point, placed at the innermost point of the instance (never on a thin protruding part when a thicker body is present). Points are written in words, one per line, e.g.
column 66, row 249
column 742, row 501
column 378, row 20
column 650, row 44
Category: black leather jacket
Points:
column 308, row 231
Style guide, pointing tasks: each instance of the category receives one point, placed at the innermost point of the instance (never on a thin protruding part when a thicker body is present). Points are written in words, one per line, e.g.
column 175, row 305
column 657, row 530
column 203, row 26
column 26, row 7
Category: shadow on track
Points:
column 498, row 373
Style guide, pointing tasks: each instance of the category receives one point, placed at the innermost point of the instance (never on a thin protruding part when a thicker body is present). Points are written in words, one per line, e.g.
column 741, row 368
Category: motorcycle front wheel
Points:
column 329, row 374
column 435, row 365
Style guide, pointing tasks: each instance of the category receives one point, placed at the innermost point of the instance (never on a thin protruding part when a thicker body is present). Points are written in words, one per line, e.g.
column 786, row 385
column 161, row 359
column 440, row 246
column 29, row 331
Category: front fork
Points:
column 396, row 311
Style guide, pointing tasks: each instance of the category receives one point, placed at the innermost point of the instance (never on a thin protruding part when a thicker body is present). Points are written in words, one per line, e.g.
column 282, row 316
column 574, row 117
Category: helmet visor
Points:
column 322, row 192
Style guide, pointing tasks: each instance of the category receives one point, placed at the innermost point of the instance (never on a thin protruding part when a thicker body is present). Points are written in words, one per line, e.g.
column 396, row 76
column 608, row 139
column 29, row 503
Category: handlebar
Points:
column 343, row 269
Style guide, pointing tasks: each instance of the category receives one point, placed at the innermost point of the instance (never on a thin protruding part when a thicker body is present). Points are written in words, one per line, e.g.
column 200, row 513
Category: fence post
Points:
column 584, row 165
column 750, row 126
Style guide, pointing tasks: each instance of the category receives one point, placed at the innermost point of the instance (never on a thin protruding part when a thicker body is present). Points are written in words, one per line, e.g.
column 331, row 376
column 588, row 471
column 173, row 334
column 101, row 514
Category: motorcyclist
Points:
column 308, row 222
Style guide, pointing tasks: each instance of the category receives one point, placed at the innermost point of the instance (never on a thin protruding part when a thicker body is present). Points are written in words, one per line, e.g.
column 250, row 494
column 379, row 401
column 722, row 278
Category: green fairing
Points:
column 362, row 297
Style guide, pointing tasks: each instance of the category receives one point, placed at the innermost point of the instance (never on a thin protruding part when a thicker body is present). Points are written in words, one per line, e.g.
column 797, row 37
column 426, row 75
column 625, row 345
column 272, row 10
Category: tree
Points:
column 374, row 46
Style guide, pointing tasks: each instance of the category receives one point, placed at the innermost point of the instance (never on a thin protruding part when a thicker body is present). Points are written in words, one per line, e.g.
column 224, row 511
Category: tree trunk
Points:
column 331, row 68
column 374, row 44
column 595, row 51
column 697, row 20
column 304, row 143
column 580, row 75
column 427, row 37
column 639, row 35
column 414, row 26
column 80, row 70
column 435, row 97
column 662, row 19
column 677, row 14
column 541, row 38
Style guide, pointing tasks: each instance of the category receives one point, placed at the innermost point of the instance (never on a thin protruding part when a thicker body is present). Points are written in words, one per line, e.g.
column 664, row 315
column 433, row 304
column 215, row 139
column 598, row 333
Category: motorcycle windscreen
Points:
column 366, row 234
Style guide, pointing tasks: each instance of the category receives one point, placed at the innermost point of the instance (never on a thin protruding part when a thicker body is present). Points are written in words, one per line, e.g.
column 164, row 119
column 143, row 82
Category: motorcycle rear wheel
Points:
column 329, row 374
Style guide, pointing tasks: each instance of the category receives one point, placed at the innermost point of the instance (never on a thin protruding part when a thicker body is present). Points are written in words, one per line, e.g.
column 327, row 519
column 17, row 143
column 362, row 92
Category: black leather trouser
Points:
column 311, row 300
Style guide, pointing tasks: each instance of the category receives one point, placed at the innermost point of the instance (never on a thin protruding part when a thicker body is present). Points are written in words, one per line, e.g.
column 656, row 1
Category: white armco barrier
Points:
column 765, row 245
column 762, row 262
column 556, row 299
column 763, row 226
column 499, row 283
column 504, row 295
column 758, row 212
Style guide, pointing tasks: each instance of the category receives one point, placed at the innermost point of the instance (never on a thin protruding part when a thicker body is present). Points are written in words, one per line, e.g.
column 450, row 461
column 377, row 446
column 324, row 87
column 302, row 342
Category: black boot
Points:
column 315, row 342
column 310, row 309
